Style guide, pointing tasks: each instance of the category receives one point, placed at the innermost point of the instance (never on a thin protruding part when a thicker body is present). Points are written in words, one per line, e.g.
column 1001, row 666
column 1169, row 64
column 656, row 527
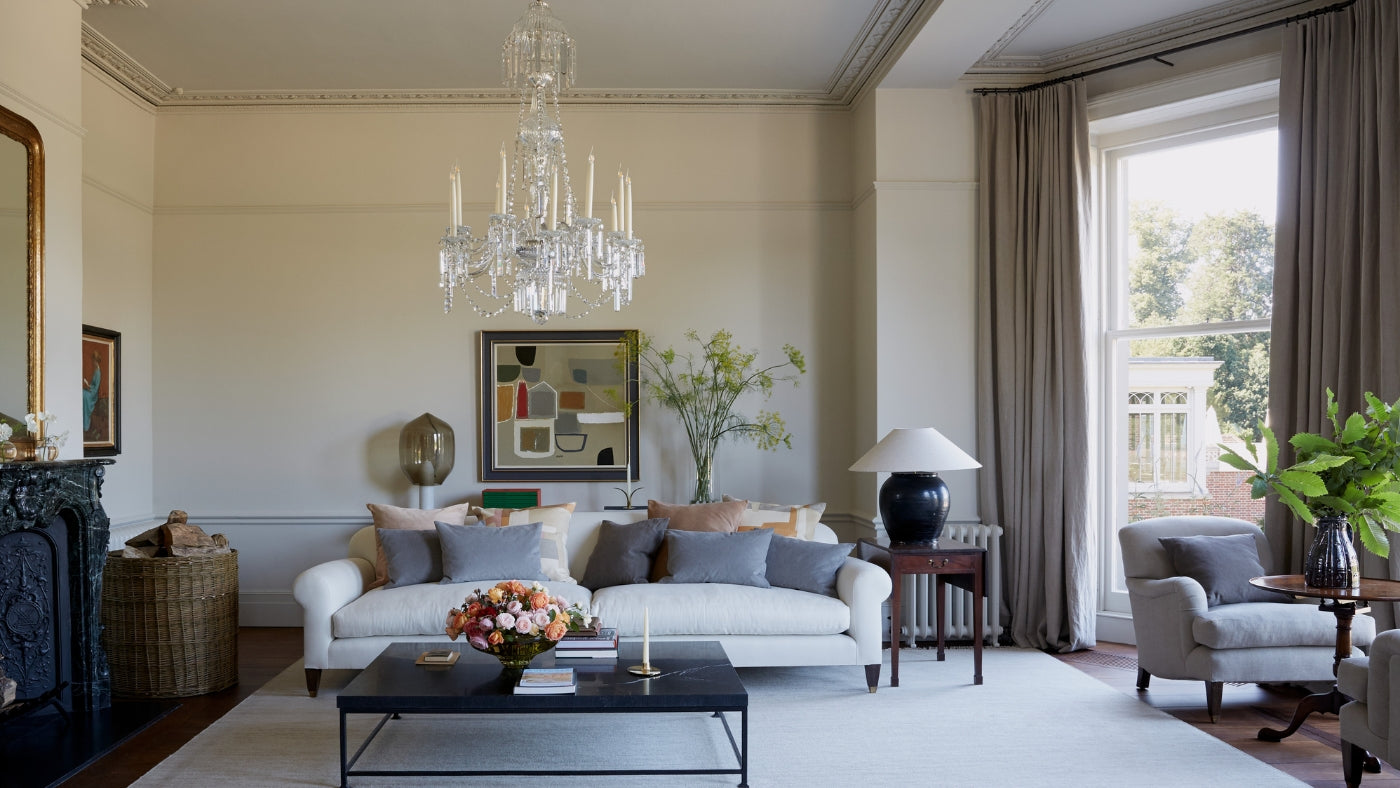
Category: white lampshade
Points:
column 921, row 449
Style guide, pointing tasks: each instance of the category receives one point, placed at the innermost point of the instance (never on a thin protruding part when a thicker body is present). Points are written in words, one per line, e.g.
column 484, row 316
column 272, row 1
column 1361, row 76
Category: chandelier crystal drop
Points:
column 543, row 254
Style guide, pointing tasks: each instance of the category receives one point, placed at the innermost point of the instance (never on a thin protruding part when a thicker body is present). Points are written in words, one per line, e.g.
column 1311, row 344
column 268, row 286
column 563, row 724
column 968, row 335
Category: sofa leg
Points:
column 313, row 681
column 1143, row 679
column 1214, row 691
column 872, row 676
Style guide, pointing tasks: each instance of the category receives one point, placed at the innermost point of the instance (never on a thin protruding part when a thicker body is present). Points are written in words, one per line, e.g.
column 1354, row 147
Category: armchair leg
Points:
column 313, row 681
column 1214, row 691
column 872, row 674
column 1352, row 758
column 1143, row 679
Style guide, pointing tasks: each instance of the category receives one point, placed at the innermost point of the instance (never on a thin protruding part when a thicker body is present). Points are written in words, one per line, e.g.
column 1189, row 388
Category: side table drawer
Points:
column 919, row 564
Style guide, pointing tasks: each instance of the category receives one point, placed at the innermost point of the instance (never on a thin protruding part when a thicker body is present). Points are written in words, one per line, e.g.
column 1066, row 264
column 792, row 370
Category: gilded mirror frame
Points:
column 22, row 131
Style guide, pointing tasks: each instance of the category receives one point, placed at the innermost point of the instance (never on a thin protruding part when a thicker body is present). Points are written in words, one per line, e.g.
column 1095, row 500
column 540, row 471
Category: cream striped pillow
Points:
column 554, row 537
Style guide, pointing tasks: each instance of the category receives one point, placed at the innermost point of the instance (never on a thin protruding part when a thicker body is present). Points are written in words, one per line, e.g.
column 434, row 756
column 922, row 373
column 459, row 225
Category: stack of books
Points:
column 598, row 643
column 546, row 681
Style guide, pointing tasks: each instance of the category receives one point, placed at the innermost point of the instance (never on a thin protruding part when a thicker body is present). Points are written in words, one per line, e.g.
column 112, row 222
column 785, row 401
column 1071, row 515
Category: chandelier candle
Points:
column 541, row 256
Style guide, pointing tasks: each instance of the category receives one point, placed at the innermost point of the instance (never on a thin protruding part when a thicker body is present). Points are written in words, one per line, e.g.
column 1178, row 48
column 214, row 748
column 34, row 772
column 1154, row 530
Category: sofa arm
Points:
column 1163, row 610
column 864, row 587
column 322, row 590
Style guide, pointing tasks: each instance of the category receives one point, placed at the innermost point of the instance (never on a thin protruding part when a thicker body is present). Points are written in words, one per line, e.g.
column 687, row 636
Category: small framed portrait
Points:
column 102, row 360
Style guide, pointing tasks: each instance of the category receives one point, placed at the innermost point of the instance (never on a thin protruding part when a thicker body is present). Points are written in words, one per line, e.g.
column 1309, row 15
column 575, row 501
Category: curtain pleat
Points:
column 1336, row 320
column 1033, row 405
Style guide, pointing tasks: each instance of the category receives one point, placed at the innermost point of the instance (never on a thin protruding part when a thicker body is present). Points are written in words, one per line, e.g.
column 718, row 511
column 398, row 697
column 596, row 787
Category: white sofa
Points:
column 346, row 626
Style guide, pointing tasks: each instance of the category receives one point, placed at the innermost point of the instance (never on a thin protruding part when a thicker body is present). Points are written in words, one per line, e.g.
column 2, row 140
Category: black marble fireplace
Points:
column 53, row 545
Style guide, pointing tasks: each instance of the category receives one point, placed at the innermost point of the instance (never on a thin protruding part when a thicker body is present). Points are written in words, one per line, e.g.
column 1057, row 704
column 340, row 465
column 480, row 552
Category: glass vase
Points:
column 703, row 491
column 516, row 656
column 1331, row 561
column 46, row 450
column 8, row 451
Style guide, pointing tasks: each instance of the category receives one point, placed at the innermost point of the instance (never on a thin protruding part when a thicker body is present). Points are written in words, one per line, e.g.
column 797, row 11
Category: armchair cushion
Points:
column 1223, row 565
column 1265, row 624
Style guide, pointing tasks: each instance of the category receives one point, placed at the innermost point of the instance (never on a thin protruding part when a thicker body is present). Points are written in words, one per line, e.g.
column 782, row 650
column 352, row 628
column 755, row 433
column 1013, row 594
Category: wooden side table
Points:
column 955, row 562
column 1340, row 602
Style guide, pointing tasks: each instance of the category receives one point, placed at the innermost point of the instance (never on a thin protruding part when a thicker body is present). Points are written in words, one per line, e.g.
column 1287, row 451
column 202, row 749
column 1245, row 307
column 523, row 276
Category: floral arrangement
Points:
column 512, row 612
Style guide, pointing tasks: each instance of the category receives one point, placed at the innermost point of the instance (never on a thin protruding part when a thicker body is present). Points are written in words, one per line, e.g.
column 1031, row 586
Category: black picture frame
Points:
column 524, row 458
column 102, row 381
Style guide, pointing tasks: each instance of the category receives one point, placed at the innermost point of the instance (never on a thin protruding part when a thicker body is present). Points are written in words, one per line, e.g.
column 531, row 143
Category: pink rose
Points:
column 478, row 641
column 486, row 623
column 541, row 618
column 524, row 624
column 505, row 621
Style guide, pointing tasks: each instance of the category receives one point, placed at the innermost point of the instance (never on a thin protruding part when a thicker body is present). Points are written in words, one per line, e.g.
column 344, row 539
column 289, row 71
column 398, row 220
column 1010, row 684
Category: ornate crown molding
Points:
column 1183, row 29
column 86, row 4
column 878, row 37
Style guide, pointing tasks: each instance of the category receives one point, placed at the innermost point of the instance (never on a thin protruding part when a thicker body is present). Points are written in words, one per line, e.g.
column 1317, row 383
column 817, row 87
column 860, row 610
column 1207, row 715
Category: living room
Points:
column 254, row 202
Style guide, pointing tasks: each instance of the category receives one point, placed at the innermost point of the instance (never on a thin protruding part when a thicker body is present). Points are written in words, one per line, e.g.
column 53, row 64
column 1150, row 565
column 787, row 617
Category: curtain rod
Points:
column 1159, row 55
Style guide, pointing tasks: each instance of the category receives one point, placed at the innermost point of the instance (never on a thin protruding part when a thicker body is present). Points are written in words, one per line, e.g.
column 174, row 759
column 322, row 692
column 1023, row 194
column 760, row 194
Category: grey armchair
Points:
column 1179, row 636
column 1373, row 715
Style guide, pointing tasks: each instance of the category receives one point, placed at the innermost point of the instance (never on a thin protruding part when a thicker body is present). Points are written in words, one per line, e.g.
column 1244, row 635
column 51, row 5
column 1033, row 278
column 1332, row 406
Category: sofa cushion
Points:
column 805, row 566
column 722, row 517
column 413, row 556
column 398, row 518
column 739, row 558
column 719, row 609
column 787, row 520
column 473, row 552
column 1223, row 565
column 624, row 553
column 554, row 537
column 1263, row 624
column 420, row 609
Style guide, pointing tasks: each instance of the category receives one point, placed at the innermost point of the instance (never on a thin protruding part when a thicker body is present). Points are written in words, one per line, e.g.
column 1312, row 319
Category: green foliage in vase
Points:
column 1354, row 474
column 704, row 385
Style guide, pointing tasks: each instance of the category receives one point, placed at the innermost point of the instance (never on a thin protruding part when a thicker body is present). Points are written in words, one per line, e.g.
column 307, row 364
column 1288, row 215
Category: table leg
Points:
column 940, row 598
column 978, row 599
column 744, row 751
column 344, row 778
column 1329, row 702
column 896, row 630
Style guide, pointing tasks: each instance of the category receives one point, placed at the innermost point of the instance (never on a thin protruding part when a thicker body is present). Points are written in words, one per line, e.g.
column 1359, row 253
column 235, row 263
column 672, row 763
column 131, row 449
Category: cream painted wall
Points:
column 40, row 78
column 298, row 324
column 118, row 193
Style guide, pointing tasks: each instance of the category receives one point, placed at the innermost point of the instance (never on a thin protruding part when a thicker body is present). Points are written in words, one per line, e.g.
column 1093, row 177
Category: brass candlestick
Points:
column 644, row 669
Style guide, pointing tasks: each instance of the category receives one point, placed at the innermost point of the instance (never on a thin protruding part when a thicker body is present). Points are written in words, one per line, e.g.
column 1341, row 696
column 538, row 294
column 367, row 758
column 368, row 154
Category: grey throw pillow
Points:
column 624, row 553
column 410, row 557
column 475, row 552
column 805, row 566
column 1223, row 565
column 710, row 557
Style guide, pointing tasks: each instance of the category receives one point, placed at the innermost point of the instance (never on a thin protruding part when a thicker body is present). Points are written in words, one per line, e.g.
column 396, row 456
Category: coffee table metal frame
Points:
column 680, row 656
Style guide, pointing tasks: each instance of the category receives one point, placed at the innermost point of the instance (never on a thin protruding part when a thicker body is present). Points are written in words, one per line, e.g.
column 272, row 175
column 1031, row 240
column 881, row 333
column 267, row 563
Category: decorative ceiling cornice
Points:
column 885, row 30
column 1183, row 29
column 86, row 4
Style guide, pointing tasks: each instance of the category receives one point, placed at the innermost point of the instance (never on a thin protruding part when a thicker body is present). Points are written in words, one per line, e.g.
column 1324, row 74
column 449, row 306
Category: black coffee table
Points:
column 695, row 676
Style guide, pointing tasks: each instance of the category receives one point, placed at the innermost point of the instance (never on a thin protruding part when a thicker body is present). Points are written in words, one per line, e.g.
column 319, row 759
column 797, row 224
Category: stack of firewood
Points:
column 175, row 538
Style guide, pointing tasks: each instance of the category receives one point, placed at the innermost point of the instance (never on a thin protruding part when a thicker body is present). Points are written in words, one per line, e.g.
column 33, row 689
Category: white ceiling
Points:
column 815, row 52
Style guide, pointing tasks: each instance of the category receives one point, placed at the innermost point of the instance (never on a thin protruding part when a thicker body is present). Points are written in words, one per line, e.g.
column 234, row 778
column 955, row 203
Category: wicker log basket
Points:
column 170, row 625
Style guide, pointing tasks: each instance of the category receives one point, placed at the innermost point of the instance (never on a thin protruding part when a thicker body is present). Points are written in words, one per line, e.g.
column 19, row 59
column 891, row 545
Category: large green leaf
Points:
column 1312, row 443
column 1292, row 502
column 1373, row 537
column 1270, row 449
column 1258, row 487
column 1322, row 462
column 1303, row 482
column 1354, row 430
column 1236, row 461
column 1335, row 504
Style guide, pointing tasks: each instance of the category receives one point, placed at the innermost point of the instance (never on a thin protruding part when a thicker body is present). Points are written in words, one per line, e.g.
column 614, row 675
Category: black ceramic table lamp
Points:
column 914, row 500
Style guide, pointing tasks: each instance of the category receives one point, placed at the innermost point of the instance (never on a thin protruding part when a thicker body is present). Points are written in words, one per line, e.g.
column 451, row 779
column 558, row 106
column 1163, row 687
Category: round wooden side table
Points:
column 1340, row 602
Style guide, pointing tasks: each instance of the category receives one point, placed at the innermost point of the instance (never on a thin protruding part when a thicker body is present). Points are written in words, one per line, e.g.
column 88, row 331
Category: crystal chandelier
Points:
column 541, row 255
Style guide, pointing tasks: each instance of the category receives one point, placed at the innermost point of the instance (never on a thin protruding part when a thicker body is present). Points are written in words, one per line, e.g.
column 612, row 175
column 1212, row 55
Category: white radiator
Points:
column 920, row 595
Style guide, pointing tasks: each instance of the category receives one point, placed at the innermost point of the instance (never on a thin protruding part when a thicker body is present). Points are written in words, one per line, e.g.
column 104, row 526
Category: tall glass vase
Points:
column 703, row 490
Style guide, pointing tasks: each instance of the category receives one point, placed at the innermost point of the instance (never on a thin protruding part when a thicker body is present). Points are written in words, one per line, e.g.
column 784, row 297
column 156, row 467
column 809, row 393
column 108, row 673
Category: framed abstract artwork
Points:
column 552, row 407
column 102, row 414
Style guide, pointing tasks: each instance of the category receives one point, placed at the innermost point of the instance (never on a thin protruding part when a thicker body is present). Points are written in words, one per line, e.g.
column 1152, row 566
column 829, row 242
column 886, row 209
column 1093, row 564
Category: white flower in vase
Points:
column 6, row 431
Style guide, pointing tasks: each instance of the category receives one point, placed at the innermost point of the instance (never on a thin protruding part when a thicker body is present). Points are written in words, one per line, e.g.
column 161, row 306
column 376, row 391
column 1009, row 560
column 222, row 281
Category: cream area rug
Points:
column 1035, row 722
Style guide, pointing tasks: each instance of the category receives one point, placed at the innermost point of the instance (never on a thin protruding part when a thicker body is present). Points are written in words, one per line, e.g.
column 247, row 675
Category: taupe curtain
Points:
column 1336, row 319
column 1033, row 191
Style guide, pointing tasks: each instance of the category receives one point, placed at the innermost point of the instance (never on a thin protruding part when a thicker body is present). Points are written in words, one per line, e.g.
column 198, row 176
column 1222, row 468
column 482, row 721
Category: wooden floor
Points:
column 1312, row 755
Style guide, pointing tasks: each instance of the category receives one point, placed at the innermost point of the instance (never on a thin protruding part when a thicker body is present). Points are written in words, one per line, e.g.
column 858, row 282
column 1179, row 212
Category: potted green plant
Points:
column 704, row 386
column 1350, row 479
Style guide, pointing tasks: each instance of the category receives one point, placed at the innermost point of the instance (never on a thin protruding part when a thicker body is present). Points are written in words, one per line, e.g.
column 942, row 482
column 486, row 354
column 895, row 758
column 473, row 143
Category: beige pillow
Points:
column 554, row 537
column 799, row 522
column 397, row 518
column 721, row 517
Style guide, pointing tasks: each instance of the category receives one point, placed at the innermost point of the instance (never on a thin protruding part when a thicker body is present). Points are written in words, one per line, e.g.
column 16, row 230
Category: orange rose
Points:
column 556, row 629
column 539, row 600
column 518, row 588
column 495, row 638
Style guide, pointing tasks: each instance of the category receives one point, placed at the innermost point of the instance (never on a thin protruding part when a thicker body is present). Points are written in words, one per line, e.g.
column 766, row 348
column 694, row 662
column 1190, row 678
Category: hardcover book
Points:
column 545, row 681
